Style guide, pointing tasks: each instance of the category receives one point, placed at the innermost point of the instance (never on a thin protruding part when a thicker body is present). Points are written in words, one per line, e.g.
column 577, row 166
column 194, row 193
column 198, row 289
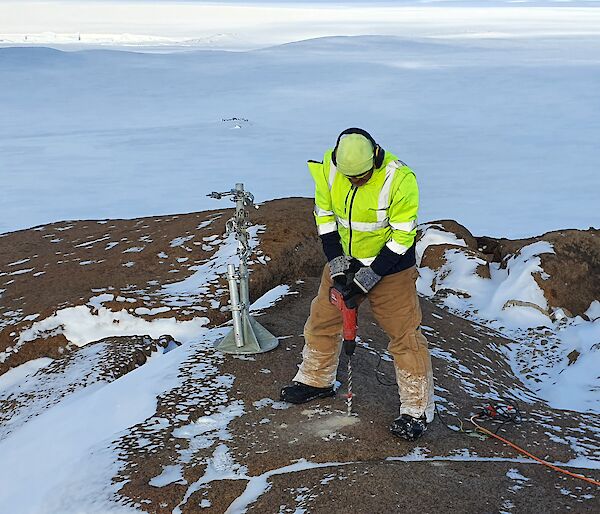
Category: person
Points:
column 366, row 203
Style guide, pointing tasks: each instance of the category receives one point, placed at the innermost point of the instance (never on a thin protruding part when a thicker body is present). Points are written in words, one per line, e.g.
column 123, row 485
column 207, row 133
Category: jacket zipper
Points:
column 350, row 219
column 346, row 200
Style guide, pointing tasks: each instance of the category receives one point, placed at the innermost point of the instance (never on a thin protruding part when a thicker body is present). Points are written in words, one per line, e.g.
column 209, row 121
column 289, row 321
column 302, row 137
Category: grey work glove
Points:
column 339, row 266
column 366, row 279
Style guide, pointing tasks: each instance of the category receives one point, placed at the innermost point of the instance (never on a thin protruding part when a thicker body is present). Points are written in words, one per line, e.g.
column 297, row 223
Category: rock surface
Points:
column 266, row 456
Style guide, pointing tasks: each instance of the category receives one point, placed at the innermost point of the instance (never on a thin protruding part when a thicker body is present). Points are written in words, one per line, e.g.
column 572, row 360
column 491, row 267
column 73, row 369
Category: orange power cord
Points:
column 525, row 452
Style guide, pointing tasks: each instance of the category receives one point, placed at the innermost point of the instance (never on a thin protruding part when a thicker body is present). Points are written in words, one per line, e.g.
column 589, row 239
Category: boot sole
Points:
column 405, row 436
column 328, row 394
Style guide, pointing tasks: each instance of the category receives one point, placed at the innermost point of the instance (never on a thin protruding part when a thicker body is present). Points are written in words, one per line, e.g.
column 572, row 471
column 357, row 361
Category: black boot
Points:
column 302, row 393
column 409, row 428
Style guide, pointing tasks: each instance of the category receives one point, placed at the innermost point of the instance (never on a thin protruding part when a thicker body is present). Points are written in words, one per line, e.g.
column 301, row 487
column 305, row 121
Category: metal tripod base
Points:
column 255, row 338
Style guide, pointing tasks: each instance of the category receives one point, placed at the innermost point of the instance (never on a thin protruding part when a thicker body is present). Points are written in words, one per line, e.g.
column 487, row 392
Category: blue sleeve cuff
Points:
column 385, row 260
column 332, row 247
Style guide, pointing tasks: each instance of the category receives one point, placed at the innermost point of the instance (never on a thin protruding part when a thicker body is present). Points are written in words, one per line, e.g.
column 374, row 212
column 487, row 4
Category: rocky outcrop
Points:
column 101, row 362
column 571, row 275
column 573, row 270
column 65, row 264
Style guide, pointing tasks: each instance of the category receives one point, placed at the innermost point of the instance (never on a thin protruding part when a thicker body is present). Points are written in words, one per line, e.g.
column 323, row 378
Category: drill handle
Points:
column 349, row 320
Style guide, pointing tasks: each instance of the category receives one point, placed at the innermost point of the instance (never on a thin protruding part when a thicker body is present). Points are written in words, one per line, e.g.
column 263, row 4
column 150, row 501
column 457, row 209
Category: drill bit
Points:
column 349, row 396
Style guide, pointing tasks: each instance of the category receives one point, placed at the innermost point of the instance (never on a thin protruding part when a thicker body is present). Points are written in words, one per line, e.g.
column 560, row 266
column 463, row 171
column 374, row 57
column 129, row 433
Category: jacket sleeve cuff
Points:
column 385, row 260
column 332, row 247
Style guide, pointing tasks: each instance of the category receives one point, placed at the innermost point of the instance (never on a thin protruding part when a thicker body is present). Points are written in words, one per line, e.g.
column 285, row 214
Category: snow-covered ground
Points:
column 72, row 463
column 494, row 107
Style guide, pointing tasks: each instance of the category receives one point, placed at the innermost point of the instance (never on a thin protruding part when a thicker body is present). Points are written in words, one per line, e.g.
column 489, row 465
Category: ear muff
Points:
column 378, row 156
column 378, row 152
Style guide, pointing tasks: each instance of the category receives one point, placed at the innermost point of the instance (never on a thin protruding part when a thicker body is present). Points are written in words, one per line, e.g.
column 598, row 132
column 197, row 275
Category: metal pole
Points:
column 235, row 305
column 244, row 287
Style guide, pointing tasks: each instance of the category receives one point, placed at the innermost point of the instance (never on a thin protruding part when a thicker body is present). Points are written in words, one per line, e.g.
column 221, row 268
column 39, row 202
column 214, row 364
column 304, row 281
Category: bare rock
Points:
column 444, row 292
column 53, row 346
column 294, row 248
column 573, row 356
column 434, row 256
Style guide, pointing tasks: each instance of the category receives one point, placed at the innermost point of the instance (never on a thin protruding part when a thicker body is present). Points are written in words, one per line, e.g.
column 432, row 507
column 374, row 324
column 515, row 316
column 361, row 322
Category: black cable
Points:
column 377, row 369
column 502, row 411
column 379, row 373
column 460, row 429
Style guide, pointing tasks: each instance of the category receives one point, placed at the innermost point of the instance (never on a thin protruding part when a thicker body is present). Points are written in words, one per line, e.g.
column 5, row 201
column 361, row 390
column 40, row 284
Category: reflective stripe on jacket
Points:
column 382, row 212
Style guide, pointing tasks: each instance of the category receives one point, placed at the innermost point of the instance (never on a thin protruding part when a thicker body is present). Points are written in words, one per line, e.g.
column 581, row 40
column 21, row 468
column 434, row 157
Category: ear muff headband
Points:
column 378, row 152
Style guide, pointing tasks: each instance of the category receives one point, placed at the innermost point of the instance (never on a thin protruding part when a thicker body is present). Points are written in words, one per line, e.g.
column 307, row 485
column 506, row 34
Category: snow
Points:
column 72, row 464
column 134, row 249
column 207, row 273
column 512, row 302
column 178, row 241
column 593, row 311
column 583, row 463
column 18, row 374
column 435, row 235
column 269, row 402
column 493, row 118
column 235, row 24
column 259, row 485
column 169, row 475
column 21, row 271
column 492, row 297
column 60, row 457
column 215, row 423
column 270, row 298
column 16, row 263
column 514, row 474
column 91, row 243
column 86, row 323
column 151, row 312
column 420, row 454
column 574, row 386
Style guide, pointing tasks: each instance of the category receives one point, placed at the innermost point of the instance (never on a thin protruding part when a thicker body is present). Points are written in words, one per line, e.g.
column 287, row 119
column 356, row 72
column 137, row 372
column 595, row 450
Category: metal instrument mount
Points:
column 248, row 336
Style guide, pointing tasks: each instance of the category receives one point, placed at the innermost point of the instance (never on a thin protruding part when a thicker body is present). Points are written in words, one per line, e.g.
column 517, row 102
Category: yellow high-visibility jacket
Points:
column 377, row 217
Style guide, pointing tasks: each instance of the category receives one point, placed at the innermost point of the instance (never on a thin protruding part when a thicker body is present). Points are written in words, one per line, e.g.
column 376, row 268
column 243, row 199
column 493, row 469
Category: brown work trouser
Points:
column 395, row 304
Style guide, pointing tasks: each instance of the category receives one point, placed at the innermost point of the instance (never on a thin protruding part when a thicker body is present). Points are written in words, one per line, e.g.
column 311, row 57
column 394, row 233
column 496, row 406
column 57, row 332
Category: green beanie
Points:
column 354, row 155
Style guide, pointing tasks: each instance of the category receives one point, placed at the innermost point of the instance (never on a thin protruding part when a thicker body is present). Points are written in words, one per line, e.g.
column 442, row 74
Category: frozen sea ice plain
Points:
column 493, row 108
